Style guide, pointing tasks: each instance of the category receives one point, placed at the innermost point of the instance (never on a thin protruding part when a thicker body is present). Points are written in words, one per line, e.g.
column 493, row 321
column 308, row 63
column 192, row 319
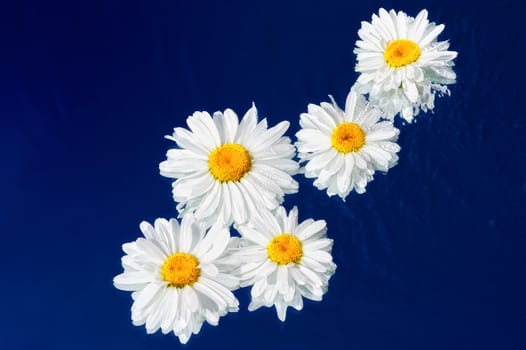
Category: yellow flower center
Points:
column 180, row 269
column 285, row 249
column 401, row 52
column 348, row 137
column 229, row 162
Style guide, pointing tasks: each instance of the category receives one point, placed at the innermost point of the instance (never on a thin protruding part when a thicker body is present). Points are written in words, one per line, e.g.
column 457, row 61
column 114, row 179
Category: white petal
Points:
column 292, row 220
column 380, row 134
column 213, row 244
column 166, row 233
column 251, row 234
column 239, row 210
column 209, row 270
column 147, row 296
column 321, row 160
column 132, row 281
column 418, row 26
column 410, row 90
column 316, row 228
column 204, row 128
column 282, row 281
column 317, row 119
column 231, row 123
column 270, row 137
column 151, row 250
column 431, row 35
column 228, row 204
column 297, row 275
column 210, row 293
column 189, row 233
column 186, row 140
column 189, row 298
column 221, row 291
column 171, row 307
column 156, row 313
column 387, row 21
column 210, row 204
column 258, row 288
column 320, row 256
column 281, row 309
column 247, row 125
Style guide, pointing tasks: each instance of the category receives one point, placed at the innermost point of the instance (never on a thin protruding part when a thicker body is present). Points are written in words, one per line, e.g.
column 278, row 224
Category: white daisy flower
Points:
column 229, row 170
column 179, row 276
column 343, row 149
column 401, row 64
column 284, row 261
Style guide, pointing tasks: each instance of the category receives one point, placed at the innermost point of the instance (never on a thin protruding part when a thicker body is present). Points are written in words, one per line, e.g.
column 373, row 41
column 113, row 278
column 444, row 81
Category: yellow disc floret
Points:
column 348, row 137
column 401, row 52
column 180, row 270
column 285, row 249
column 229, row 162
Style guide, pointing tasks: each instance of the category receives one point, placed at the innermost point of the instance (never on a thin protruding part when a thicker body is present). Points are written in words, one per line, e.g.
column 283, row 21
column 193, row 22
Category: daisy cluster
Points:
column 230, row 172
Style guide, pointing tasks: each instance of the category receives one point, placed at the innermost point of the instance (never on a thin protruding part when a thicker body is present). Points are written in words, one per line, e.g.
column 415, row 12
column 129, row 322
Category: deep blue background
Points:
column 432, row 256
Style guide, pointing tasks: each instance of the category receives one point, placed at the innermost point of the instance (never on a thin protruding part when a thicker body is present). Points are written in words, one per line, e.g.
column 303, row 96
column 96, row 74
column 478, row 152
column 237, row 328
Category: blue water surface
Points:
column 430, row 257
